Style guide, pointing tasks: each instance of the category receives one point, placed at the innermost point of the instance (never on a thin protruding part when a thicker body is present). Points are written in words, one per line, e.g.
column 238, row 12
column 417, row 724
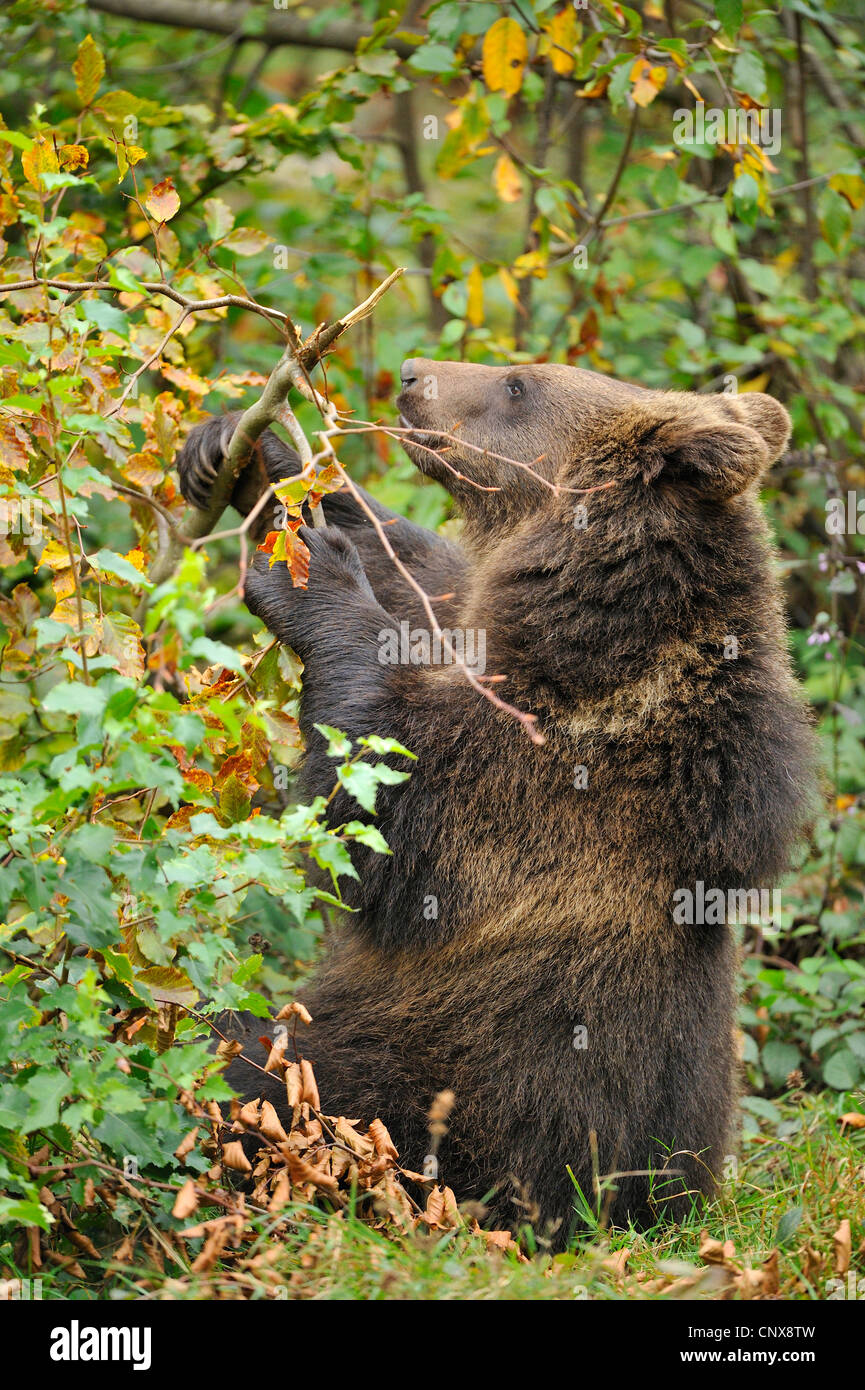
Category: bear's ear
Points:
column 718, row 444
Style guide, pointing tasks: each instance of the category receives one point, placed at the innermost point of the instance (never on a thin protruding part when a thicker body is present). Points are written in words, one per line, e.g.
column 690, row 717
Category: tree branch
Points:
column 226, row 17
column 292, row 368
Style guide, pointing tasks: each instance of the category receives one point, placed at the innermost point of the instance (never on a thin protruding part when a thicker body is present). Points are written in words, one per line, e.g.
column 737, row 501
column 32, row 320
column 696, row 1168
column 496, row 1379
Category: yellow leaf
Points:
column 506, row 180
column 851, row 187
column 530, row 263
column 504, row 56
column 757, row 383
column 162, row 202
column 88, row 69
column 562, row 30
column 137, row 558
column 475, row 307
column 511, row 287
column 55, row 555
column 646, row 82
column 73, row 157
column 39, row 160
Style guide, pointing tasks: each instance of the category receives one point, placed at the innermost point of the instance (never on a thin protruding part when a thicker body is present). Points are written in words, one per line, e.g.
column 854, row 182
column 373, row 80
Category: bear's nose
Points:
column 408, row 372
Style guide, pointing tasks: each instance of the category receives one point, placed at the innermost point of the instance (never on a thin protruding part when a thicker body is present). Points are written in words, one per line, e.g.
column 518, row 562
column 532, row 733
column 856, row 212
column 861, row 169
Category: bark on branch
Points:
column 230, row 17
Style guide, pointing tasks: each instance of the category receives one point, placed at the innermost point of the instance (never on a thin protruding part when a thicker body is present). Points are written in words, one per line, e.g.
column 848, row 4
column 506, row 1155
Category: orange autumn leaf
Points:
column 40, row 159
column 73, row 157
column 646, row 81
column 163, row 201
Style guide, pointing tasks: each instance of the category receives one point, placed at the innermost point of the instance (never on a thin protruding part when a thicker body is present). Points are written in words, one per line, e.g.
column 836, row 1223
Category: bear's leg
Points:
column 336, row 626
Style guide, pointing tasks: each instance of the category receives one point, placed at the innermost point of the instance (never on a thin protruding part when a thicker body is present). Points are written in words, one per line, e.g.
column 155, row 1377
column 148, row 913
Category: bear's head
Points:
column 616, row 529
column 497, row 437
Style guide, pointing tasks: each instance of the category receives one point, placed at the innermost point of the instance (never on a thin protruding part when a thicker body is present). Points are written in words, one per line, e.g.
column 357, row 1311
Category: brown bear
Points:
column 525, row 945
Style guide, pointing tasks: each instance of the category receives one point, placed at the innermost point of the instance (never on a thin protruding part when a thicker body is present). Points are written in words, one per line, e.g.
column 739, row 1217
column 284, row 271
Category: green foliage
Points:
column 532, row 177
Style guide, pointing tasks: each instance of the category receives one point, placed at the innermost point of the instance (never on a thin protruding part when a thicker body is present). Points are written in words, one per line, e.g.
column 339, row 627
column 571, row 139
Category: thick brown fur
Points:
column 554, row 903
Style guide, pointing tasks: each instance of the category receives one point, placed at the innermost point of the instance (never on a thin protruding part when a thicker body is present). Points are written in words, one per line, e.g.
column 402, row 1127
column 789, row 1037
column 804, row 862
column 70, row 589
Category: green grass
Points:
column 798, row 1179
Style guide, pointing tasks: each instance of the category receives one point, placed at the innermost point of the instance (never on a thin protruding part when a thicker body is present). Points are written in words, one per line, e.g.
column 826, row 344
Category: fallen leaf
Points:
column 233, row 1157
column 843, row 1244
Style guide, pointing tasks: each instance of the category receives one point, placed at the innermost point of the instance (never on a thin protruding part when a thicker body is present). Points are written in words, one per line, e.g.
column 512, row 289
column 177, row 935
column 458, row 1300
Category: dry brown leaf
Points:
column 436, row 1209
column 213, row 1248
column 249, row 1115
column 843, row 1244
column 352, row 1138
column 301, row 1171
column 233, row 1157
column 293, row 1085
column 84, row 1243
column 281, row 1192
column 499, row 1240
column 270, row 1124
column 771, row 1280
column 295, row 1010
column 715, row 1252
column 384, row 1145
column 616, row 1262
column 750, row 1283
column 187, row 1143
column 275, row 1057
column 124, row 1250
column 310, row 1089
column 186, row 1201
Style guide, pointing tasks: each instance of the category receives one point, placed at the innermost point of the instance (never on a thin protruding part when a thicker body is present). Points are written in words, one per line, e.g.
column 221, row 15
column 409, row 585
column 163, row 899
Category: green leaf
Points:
column 779, row 1059
column 73, row 697
column 106, row 317
column 749, row 75
column 360, row 781
column 367, row 835
column 385, row 745
column 108, row 562
column 19, row 1213
column 730, row 15
column 842, row 1070
column 45, row 1092
column 433, row 57
column 789, row 1223
column 338, row 745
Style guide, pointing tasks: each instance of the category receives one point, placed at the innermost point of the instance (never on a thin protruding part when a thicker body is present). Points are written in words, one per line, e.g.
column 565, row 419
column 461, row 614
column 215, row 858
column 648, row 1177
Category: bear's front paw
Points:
column 199, row 459
column 334, row 560
column 336, row 580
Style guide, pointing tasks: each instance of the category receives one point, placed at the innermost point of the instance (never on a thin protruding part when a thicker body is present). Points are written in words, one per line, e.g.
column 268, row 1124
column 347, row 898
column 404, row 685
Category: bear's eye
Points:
column 514, row 388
